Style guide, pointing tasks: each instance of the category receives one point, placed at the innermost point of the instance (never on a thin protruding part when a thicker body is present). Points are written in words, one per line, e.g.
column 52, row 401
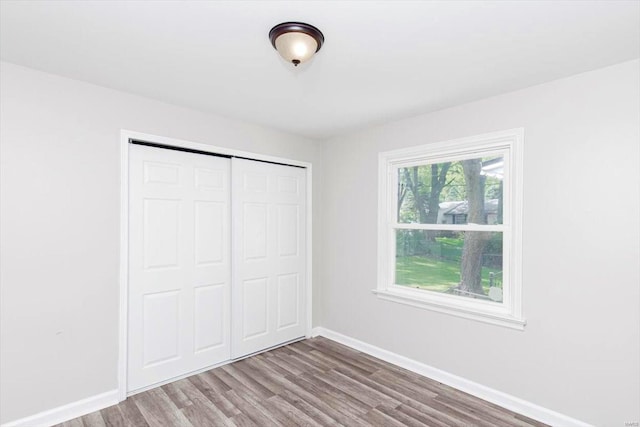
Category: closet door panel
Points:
column 179, row 264
column 269, row 259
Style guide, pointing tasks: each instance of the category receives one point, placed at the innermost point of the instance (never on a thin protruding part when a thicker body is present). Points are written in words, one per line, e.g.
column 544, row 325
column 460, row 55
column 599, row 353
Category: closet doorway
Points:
column 217, row 259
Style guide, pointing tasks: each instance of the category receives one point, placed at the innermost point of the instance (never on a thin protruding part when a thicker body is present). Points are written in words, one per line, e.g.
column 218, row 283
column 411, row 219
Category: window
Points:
column 449, row 227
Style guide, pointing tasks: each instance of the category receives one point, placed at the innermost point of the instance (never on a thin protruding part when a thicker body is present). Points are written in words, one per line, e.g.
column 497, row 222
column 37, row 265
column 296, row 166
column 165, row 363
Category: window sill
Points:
column 473, row 310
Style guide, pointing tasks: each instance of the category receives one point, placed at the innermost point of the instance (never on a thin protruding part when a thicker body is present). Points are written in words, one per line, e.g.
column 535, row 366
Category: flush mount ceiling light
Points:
column 296, row 42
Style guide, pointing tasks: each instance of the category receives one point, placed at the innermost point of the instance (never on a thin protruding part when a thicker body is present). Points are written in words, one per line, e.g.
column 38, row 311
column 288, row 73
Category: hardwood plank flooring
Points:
column 315, row 382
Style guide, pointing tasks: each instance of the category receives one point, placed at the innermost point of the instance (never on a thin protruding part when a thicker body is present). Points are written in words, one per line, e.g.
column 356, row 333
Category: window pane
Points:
column 460, row 192
column 467, row 264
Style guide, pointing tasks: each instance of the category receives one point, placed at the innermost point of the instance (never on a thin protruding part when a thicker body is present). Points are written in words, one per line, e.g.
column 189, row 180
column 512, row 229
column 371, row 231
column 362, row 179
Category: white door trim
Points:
column 125, row 136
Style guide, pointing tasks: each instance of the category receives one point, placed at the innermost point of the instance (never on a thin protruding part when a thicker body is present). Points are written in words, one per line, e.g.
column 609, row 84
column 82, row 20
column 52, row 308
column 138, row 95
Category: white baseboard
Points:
column 67, row 412
column 499, row 398
column 512, row 403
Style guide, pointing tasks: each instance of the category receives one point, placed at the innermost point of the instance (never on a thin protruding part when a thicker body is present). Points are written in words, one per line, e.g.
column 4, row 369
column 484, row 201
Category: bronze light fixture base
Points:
column 296, row 42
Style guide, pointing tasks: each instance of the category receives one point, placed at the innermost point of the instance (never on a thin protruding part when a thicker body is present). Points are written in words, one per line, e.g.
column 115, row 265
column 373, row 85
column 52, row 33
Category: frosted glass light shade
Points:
column 296, row 42
column 296, row 47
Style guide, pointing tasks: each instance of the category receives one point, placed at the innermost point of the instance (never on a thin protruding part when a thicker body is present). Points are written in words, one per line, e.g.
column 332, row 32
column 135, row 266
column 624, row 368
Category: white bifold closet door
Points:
column 269, row 254
column 179, row 264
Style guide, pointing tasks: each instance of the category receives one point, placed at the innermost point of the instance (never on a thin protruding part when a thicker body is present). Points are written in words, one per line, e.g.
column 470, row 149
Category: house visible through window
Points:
column 449, row 227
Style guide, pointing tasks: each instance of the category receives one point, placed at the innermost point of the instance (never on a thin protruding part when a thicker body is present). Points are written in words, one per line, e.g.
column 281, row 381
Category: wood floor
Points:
column 315, row 382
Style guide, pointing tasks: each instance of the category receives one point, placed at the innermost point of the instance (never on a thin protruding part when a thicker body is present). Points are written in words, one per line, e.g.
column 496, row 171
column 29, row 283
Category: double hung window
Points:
column 449, row 227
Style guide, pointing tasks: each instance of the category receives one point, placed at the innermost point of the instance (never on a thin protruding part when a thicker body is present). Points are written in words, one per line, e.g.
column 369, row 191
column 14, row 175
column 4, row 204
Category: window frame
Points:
column 508, row 143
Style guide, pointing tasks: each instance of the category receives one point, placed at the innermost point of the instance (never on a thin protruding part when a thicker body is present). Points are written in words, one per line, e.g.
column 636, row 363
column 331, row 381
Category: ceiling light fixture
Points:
column 296, row 42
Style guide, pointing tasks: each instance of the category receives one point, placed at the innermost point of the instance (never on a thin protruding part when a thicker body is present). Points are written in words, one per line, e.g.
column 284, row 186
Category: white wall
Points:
column 580, row 352
column 60, row 226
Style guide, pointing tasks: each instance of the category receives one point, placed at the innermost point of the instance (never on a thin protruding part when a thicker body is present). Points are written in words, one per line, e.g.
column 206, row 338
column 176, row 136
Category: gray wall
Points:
column 579, row 354
column 580, row 350
column 60, row 226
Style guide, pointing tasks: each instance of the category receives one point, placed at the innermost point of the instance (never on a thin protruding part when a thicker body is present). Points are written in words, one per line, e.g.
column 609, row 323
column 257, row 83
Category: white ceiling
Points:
column 382, row 60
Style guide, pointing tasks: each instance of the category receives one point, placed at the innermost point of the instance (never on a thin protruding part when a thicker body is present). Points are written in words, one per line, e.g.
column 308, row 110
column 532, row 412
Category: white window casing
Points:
column 509, row 144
